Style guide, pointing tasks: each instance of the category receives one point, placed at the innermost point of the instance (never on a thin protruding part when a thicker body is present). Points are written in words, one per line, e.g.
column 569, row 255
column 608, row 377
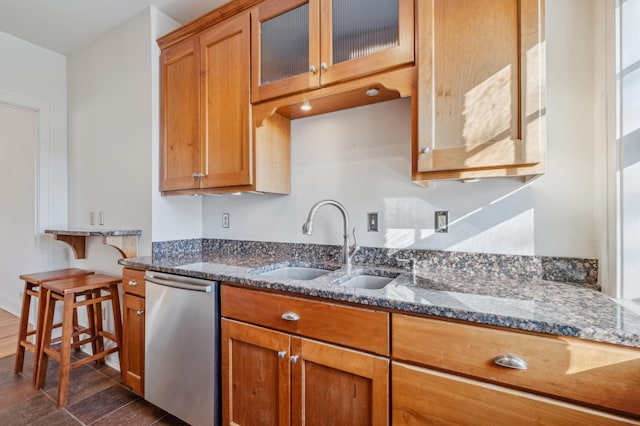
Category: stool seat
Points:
column 87, row 291
column 75, row 285
column 59, row 274
column 32, row 283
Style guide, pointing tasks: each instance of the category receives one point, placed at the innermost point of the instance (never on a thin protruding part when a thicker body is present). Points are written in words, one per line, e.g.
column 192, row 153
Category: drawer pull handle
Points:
column 139, row 313
column 282, row 354
column 290, row 316
column 294, row 359
column 133, row 283
column 510, row 361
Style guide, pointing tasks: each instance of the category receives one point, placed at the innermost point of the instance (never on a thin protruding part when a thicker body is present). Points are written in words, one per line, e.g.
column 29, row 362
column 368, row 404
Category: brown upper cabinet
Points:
column 479, row 102
column 299, row 45
column 206, row 141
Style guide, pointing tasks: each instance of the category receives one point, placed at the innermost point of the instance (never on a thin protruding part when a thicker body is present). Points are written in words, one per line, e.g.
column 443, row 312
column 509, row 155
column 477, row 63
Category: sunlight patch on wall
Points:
column 513, row 235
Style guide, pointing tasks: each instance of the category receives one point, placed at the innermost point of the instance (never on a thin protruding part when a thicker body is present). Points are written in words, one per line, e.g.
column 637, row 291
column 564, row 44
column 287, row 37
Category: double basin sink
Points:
column 355, row 279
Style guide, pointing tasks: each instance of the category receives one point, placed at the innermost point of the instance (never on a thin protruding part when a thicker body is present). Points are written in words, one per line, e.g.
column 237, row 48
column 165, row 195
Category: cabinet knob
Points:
column 510, row 361
column 290, row 316
column 282, row 354
column 139, row 313
column 424, row 150
column 323, row 66
column 133, row 283
column 294, row 359
column 312, row 69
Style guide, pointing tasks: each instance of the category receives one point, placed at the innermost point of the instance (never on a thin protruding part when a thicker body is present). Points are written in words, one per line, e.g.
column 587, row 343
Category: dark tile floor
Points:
column 96, row 397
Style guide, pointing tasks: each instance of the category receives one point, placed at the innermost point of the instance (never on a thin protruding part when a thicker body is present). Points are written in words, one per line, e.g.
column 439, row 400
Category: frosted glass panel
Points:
column 363, row 27
column 285, row 45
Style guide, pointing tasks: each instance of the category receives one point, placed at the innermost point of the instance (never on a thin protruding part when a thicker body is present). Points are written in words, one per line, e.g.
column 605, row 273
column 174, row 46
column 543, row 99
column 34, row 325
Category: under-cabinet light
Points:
column 306, row 106
column 373, row 91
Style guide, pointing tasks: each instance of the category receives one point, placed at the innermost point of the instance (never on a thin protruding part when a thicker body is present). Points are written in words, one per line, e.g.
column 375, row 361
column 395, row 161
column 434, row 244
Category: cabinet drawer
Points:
column 133, row 282
column 347, row 326
column 599, row 375
column 425, row 397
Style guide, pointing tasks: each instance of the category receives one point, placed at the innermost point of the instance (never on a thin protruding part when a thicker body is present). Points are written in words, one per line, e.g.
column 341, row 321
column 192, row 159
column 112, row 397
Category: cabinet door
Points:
column 360, row 37
column 256, row 375
column 480, row 85
column 133, row 342
column 180, row 116
column 285, row 38
column 226, row 147
column 337, row 386
column 425, row 397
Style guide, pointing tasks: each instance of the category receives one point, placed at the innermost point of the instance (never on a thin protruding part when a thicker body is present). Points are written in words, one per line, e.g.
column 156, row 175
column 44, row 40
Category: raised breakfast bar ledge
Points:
column 124, row 240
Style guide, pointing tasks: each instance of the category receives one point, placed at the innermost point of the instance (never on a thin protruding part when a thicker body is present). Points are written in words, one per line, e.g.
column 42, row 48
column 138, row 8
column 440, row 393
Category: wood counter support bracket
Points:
column 77, row 243
column 127, row 245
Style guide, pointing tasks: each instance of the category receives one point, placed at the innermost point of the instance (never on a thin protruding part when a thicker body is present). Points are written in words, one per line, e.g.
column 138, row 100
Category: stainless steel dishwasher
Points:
column 182, row 363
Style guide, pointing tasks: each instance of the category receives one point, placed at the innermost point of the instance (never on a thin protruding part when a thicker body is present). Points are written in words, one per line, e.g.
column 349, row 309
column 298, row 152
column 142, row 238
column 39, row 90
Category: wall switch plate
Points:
column 372, row 222
column 441, row 221
column 225, row 220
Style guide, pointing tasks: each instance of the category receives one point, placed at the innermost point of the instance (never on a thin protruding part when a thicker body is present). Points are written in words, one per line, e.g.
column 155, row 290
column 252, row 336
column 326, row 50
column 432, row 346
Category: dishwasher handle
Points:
column 178, row 284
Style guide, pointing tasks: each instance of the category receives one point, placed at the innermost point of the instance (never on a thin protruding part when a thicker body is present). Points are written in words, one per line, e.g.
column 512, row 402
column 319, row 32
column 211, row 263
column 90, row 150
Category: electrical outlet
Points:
column 441, row 221
column 372, row 222
column 225, row 220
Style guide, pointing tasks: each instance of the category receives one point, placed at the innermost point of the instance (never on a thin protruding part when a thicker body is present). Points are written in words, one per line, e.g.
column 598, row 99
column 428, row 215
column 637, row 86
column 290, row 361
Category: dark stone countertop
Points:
column 523, row 304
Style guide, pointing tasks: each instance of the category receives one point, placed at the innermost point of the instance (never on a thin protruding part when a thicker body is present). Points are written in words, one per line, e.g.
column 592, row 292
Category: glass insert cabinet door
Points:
column 301, row 45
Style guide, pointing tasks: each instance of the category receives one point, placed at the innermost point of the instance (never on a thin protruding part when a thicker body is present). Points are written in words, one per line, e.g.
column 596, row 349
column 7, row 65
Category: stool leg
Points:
column 65, row 349
column 42, row 298
column 43, row 357
column 99, row 339
column 76, row 337
column 117, row 320
column 91, row 317
column 23, row 327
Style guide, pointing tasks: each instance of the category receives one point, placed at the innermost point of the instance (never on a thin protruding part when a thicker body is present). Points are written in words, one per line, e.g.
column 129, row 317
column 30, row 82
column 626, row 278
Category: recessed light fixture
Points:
column 372, row 91
column 306, row 106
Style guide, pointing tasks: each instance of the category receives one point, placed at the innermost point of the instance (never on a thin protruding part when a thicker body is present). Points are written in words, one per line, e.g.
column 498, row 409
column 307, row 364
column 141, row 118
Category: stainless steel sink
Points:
column 296, row 272
column 372, row 280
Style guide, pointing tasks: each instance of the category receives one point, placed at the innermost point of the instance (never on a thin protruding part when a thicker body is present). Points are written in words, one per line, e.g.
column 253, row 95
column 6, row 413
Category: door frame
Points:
column 42, row 168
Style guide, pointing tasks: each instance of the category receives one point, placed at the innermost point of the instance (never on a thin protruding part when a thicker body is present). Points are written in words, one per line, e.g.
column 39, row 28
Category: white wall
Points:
column 361, row 157
column 110, row 138
column 113, row 139
column 34, row 77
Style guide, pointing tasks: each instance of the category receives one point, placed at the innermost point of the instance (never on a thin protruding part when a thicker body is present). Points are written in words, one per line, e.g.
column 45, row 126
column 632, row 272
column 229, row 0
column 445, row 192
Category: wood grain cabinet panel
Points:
column 300, row 45
column 278, row 378
column 133, row 335
column 208, row 143
column 180, row 116
column 425, row 397
column 343, row 325
column 480, row 100
column 602, row 376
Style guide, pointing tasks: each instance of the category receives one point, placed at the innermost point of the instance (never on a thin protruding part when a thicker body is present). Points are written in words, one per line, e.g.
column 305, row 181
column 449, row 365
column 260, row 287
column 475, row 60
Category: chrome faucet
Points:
column 347, row 251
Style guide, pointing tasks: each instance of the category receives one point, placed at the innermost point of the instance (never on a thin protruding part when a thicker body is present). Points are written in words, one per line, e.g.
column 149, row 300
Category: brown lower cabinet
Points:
column 427, row 397
column 133, row 318
column 446, row 373
column 274, row 377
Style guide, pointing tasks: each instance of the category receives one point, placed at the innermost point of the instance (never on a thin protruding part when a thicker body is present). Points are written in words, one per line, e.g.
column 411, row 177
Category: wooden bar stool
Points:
column 84, row 291
column 32, row 289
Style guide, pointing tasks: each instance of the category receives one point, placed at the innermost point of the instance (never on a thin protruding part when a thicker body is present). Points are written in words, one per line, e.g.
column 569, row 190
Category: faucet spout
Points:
column 307, row 228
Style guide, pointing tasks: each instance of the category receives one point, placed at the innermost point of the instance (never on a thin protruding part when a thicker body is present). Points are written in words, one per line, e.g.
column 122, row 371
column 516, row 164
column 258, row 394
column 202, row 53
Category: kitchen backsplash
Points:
column 560, row 269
